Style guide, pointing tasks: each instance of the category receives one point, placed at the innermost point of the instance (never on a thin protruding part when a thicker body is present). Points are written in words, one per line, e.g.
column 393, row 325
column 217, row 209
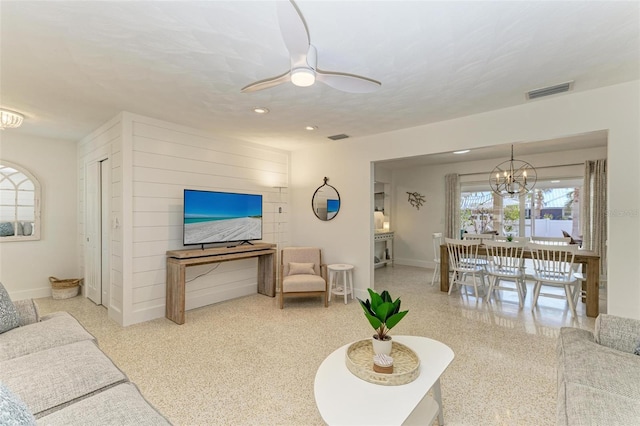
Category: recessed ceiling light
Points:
column 464, row 151
column 311, row 128
column 555, row 181
column 261, row 110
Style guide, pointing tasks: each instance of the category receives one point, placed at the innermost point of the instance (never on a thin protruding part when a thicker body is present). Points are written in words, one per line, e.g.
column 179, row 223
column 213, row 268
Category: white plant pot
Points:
column 382, row 346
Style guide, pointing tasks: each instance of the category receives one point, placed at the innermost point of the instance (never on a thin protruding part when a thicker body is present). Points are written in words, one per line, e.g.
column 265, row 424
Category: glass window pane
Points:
column 26, row 198
column 26, row 213
column 7, row 213
column 27, row 185
column 7, row 197
column 6, row 184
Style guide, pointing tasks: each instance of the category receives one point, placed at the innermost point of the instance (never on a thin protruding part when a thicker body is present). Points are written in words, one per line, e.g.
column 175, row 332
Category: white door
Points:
column 92, row 250
column 105, row 209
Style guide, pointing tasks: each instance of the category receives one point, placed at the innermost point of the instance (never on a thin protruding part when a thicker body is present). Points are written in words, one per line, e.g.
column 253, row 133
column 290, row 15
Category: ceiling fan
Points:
column 304, row 71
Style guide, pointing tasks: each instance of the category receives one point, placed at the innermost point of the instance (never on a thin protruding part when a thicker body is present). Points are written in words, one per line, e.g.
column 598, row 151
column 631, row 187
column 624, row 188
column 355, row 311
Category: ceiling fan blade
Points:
column 267, row 83
column 350, row 83
column 293, row 29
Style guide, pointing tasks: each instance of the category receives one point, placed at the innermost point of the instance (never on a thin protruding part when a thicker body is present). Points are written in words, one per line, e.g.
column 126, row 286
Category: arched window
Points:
column 19, row 203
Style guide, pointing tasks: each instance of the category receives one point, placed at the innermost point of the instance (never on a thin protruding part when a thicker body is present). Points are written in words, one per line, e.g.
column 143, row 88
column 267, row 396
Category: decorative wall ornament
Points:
column 416, row 199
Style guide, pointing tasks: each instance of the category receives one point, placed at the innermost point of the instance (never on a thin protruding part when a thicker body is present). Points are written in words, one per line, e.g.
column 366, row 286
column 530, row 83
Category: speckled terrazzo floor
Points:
column 246, row 362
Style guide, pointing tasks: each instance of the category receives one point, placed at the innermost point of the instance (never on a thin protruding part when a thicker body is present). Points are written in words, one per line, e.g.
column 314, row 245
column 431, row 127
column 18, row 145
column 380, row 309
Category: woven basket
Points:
column 64, row 289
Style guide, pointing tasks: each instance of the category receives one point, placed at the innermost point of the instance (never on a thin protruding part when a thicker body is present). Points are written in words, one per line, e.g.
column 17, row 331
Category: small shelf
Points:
column 384, row 237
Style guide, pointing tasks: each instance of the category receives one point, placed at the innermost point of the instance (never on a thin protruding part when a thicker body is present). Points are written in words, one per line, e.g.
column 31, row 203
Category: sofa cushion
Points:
column 8, row 314
column 596, row 384
column 57, row 329
column 13, row 412
column 618, row 333
column 121, row 405
column 51, row 379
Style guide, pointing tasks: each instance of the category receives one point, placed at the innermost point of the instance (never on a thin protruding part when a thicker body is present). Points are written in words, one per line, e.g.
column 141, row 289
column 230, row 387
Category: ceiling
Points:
column 71, row 66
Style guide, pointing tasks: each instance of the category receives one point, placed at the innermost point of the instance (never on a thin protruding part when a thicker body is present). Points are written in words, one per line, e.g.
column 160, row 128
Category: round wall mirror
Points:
column 326, row 201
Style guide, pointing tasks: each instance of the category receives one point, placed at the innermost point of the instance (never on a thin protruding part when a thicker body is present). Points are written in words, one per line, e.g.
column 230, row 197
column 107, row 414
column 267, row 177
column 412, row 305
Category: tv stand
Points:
column 179, row 260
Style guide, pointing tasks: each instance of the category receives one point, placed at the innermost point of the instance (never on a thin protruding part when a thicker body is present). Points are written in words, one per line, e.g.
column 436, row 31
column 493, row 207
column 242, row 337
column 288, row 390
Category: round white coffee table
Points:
column 335, row 271
column 344, row 399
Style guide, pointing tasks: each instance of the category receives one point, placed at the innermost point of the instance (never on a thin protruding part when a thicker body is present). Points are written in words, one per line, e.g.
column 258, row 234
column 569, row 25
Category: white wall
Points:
column 413, row 242
column 26, row 265
column 348, row 165
column 156, row 162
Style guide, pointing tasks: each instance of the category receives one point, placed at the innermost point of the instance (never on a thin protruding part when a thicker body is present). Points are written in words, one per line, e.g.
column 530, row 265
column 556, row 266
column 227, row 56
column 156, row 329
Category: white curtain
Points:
column 594, row 209
column 452, row 205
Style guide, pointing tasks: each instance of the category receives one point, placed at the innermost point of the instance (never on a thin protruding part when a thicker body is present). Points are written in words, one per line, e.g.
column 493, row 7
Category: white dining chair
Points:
column 437, row 242
column 506, row 264
column 513, row 239
column 554, row 241
column 553, row 266
column 463, row 256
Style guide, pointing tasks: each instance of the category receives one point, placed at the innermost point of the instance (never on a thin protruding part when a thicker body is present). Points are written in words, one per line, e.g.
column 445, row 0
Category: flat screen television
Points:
column 221, row 217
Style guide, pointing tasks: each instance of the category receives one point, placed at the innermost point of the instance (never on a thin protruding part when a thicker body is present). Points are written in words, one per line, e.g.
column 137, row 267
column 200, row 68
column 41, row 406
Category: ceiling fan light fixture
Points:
column 303, row 77
column 10, row 119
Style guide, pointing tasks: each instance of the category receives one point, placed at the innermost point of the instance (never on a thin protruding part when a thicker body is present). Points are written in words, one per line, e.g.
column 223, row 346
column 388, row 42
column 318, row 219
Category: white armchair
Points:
column 302, row 273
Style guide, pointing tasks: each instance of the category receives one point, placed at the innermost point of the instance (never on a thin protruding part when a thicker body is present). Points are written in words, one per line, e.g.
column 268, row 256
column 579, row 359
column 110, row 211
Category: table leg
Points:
column 593, row 287
column 350, row 273
column 444, row 268
column 175, row 297
column 331, row 277
column 437, row 395
column 345, row 286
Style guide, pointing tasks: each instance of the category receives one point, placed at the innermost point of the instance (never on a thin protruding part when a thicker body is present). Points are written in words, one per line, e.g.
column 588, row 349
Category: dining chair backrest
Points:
column 553, row 261
column 471, row 237
column 513, row 239
column 462, row 253
column 505, row 254
column 437, row 242
column 556, row 241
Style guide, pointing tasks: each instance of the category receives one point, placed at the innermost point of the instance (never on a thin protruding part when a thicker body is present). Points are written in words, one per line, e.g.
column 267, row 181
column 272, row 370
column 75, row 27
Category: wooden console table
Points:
column 179, row 260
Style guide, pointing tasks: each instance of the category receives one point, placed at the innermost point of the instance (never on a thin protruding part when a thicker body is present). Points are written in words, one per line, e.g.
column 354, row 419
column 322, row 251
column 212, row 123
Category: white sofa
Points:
column 54, row 367
column 599, row 374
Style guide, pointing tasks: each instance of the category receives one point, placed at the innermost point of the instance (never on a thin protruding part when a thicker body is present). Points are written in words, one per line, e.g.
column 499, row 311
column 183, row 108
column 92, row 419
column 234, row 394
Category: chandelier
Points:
column 513, row 178
column 10, row 119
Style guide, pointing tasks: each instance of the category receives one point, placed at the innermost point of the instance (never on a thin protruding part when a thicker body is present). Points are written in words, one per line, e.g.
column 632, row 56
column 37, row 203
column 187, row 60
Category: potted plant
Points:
column 383, row 314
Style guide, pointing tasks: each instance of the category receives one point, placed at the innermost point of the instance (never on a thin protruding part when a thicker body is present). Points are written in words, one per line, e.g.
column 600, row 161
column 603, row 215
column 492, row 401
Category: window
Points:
column 551, row 208
column 19, row 204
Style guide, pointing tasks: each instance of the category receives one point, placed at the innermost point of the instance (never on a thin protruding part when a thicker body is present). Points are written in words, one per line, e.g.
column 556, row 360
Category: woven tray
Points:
column 406, row 364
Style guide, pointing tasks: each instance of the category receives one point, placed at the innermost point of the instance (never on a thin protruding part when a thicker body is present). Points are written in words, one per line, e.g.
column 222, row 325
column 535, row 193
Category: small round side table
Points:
column 335, row 270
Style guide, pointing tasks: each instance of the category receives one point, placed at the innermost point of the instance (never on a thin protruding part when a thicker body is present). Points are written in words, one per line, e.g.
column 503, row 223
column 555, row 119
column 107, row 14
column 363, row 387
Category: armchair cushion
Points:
column 301, row 268
column 303, row 283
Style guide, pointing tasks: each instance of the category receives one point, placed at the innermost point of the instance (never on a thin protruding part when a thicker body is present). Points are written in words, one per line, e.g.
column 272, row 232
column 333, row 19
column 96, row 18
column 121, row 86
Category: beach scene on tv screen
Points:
column 211, row 217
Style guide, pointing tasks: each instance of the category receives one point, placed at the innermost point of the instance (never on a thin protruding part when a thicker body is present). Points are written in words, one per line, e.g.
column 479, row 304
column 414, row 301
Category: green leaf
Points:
column 375, row 299
column 396, row 306
column 386, row 297
column 395, row 319
column 383, row 311
column 366, row 306
column 375, row 322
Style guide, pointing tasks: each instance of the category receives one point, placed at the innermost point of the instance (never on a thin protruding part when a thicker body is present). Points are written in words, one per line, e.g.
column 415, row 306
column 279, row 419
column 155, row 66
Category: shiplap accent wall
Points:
column 105, row 142
column 158, row 160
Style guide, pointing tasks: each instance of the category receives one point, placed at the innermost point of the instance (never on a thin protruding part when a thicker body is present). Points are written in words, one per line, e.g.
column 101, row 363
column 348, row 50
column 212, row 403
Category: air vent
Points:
column 551, row 90
column 338, row 137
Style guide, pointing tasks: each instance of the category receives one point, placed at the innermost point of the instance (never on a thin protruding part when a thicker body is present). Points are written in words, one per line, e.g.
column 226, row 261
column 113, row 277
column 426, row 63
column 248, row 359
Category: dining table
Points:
column 589, row 260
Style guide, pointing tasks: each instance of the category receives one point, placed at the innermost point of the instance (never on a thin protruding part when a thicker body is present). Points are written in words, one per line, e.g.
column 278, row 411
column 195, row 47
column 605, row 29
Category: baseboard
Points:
column 34, row 293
